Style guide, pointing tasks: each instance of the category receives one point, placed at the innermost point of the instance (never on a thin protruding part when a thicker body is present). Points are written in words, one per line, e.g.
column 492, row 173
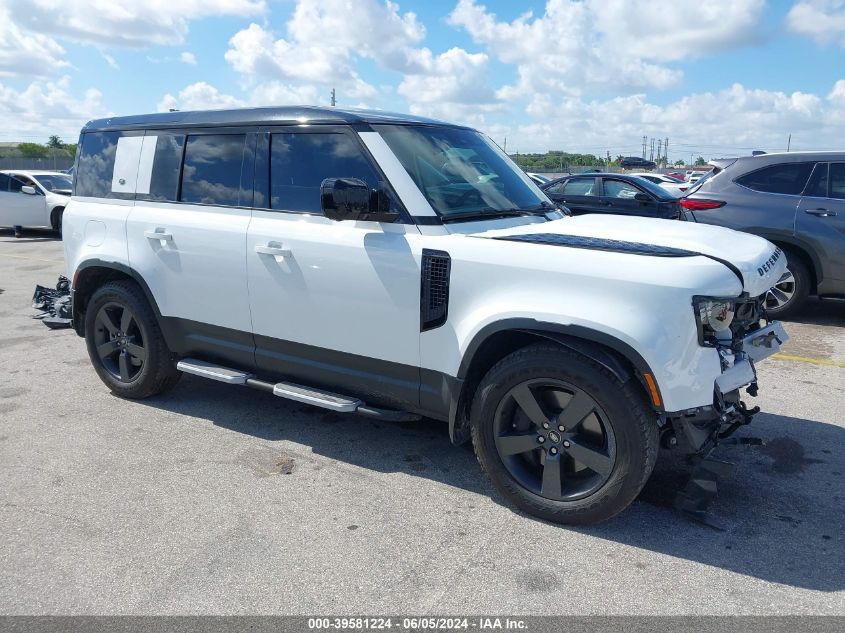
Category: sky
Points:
column 717, row 78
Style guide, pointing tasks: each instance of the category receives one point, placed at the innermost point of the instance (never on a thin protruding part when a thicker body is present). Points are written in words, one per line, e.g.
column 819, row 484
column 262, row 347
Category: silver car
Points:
column 797, row 201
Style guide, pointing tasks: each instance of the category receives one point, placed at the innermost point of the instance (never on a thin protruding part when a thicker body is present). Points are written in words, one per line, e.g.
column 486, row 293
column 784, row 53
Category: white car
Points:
column 20, row 204
column 51, row 189
column 399, row 267
column 669, row 184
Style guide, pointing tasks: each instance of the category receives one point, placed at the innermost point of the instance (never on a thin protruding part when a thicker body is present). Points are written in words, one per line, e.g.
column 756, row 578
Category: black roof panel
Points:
column 257, row 116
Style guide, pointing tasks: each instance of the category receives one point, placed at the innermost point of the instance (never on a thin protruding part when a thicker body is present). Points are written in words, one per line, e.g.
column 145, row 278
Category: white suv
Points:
column 400, row 267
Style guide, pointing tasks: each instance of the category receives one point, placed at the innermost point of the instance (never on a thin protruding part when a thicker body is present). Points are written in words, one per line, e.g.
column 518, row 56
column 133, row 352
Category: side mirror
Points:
column 352, row 199
column 642, row 197
column 28, row 189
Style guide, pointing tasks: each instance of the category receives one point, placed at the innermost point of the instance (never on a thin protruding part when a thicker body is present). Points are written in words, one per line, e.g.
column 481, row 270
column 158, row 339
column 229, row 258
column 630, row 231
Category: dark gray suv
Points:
column 797, row 201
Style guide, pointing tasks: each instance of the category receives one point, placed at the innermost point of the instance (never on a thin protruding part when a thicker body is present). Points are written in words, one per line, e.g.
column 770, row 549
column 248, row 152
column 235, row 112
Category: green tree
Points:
column 55, row 142
column 680, row 163
column 700, row 161
column 70, row 148
column 32, row 150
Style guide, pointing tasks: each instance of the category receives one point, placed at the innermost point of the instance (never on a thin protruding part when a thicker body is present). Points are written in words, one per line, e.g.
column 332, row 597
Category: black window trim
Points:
column 773, row 193
column 805, row 192
column 263, row 154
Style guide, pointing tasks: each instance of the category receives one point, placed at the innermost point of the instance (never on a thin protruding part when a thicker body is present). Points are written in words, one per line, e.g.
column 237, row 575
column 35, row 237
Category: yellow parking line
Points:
column 805, row 359
column 35, row 259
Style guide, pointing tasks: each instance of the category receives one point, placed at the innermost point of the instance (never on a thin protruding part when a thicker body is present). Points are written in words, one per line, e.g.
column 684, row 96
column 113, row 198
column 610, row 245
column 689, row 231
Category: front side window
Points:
column 789, row 178
column 817, row 187
column 837, row 180
column 460, row 172
column 212, row 169
column 15, row 184
column 96, row 164
column 55, row 182
column 300, row 161
column 619, row 189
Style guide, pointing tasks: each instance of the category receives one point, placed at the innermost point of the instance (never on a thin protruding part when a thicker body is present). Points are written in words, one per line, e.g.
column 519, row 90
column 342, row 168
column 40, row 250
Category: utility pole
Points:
column 666, row 151
column 506, row 145
column 789, row 143
column 659, row 149
column 333, row 99
column 644, row 141
column 651, row 155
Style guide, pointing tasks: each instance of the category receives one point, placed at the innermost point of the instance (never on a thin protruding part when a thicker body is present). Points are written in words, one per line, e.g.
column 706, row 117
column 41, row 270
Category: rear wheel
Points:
column 561, row 437
column 789, row 294
column 56, row 218
column 125, row 343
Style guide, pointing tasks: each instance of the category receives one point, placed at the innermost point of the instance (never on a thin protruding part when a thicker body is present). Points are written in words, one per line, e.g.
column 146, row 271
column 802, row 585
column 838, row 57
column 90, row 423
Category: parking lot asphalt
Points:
column 222, row 500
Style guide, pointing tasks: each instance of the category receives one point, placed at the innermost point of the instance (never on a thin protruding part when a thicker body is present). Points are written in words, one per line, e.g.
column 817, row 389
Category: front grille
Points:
column 434, row 291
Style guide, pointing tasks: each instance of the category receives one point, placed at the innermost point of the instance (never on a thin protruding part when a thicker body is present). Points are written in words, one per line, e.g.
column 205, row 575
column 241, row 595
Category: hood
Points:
column 757, row 262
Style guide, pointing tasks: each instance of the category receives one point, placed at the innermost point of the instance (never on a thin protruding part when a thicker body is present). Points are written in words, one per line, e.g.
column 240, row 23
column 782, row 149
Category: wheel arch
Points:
column 792, row 244
column 55, row 213
column 91, row 275
column 497, row 340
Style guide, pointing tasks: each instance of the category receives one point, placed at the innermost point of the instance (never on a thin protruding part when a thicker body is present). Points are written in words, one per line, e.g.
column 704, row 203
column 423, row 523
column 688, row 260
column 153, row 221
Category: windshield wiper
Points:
column 488, row 213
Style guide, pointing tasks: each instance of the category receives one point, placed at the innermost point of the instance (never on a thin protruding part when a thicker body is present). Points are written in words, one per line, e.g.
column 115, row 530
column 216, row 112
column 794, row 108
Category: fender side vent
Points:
column 434, row 290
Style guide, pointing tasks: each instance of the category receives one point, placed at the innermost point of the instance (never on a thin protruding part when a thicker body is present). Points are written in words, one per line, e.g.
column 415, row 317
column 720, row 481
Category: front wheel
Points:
column 125, row 343
column 561, row 437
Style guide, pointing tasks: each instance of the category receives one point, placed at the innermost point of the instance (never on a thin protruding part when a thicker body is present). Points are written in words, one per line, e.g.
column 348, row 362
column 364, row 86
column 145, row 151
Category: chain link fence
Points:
column 49, row 163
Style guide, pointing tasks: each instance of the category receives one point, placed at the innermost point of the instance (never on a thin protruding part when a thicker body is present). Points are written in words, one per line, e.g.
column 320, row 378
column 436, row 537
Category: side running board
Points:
column 300, row 393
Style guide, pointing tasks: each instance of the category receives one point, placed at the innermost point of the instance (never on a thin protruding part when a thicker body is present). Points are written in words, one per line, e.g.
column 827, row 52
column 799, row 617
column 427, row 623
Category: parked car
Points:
column 56, row 188
column 695, row 176
column 677, row 175
column 619, row 194
column 397, row 267
column 797, row 201
column 635, row 162
column 539, row 179
column 672, row 185
column 21, row 204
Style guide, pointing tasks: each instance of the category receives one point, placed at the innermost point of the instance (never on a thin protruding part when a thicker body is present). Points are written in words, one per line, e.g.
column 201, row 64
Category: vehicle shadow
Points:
column 782, row 507
column 29, row 235
column 821, row 312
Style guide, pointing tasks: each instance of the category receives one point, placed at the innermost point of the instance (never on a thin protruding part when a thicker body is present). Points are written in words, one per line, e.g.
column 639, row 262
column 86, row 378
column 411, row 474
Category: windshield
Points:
column 461, row 172
column 54, row 182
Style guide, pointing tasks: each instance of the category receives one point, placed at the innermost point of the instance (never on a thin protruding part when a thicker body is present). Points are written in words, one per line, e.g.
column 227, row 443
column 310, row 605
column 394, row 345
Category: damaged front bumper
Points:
column 700, row 429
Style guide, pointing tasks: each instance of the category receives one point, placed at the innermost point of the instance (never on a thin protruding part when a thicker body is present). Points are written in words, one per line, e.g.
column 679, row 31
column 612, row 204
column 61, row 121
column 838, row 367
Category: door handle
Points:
column 822, row 213
column 159, row 234
column 272, row 248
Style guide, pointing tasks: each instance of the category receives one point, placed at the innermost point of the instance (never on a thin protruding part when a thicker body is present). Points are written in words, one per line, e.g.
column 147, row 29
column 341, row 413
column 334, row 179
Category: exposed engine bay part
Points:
column 54, row 303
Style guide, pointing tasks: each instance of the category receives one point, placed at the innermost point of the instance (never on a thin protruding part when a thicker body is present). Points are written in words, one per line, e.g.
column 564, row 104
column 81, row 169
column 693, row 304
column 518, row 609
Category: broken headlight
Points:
column 713, row 317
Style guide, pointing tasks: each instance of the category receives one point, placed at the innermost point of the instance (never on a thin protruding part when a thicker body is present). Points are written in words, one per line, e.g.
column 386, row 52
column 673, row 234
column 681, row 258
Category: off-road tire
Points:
column 158, row 372
column 633, row 421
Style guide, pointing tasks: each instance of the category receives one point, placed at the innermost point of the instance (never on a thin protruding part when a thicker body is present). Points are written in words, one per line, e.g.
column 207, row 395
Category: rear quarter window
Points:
column 96, row 165
column 788, row 178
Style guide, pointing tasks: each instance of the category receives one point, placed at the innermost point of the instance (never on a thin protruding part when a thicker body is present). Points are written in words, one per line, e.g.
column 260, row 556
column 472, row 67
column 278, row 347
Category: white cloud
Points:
column 606, row 45
column 188, row 58
column 823, row 20
column 110, row 60
column 199, row 96
column 27, row 54
column 123, row 22
column 732, row 120
column 45, row 108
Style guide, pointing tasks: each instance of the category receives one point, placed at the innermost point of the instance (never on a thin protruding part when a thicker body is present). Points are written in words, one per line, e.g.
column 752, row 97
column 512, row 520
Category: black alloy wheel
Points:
column 119, row 341
column 554, row 439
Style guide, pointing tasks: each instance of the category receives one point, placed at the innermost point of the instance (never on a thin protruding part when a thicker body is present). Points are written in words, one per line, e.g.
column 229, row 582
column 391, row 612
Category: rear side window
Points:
column 789, row 178
column 164, row 179
column 96, row 165
column 299, row 162
column 212, row 170
column 619, row 189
